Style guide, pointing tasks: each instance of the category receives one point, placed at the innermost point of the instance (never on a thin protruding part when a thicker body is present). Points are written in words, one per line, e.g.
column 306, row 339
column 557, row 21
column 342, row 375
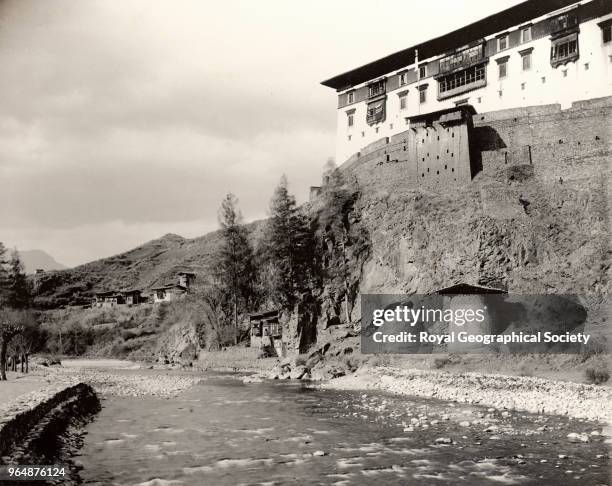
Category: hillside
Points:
column 155, row 262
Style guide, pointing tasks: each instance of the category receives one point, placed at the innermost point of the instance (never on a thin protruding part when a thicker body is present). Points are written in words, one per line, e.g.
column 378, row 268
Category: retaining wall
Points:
column 560, row 144
column 29, row 434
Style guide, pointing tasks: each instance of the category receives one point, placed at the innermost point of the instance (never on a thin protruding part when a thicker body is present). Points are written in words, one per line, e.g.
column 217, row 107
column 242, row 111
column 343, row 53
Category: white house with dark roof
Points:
column 537, row 52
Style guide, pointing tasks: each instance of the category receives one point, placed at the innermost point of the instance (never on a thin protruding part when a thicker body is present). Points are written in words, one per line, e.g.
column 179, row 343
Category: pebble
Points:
column 444, row 440
column 319, row 453
column 576, row 438
column 465, row 423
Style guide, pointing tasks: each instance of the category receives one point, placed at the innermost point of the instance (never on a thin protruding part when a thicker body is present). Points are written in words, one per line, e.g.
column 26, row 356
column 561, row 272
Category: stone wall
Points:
column 31, row 428
column 437, row 158
column 545, row 136
column 433, row 156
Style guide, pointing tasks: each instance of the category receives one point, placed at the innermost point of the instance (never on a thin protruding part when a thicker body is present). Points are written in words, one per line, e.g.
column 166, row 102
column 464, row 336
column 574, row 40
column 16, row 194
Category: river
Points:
column 225, row 432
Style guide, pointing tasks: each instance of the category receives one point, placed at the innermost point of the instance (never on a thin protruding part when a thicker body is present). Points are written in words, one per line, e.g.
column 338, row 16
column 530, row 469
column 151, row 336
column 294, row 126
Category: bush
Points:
column 597, row 375
column 441, row 362
column 525, row 369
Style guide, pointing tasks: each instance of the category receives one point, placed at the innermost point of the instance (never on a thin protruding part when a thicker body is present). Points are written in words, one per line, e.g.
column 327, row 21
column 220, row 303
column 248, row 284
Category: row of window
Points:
column 502, row 64
column 461, row 78
column 503, row 41
column 563, row 50
column 375, row 113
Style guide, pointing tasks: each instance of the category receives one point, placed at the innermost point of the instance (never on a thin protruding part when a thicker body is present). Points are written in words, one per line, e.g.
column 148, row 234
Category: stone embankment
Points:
column 536, row 395
column 46, row 427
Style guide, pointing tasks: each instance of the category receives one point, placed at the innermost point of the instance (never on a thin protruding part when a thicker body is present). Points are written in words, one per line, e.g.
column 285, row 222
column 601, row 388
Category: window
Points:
column 564, row 22
column 543, row 79
column 564, row 50
column 349, row 138
column 403, row 78
column 376, row 112
column 376, row 88
column 422, row 94
column 523, row 86
column 526, row 34
column 351, row 119
column 462, row 59
column 606, row 31
column 500, row 92
column 526, row 59
column 403, row 100
column 350, row 97
column 502, row 67
column 502, row 43
column 479, row 99
column 586, row 66
column 423, row 71
column 462, row 78
column 565, row 73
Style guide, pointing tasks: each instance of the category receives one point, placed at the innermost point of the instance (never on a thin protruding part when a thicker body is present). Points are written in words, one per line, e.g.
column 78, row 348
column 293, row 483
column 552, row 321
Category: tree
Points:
column 28, row 339
column 18, row 295
column 14, row 299
column 10, row 326
column 236, row 269
column 287, row 248
column 4, row 275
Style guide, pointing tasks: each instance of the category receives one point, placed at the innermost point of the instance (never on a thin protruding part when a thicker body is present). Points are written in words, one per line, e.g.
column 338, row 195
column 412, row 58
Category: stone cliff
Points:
column 534, row 219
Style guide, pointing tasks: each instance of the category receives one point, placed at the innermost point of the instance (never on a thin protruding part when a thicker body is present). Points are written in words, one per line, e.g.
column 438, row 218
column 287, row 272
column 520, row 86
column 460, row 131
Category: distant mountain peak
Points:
column 172, row 236
column 38, row 259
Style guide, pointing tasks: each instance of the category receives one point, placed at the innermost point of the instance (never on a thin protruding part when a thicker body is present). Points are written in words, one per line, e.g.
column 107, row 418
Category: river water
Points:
column 224, row 432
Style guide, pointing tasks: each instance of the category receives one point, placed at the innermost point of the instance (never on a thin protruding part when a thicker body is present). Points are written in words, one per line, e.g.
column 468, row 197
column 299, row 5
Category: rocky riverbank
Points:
column 536, row 395
column 128, row 383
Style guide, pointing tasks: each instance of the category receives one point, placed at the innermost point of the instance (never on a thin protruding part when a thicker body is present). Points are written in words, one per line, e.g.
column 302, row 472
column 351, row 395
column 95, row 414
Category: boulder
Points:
column 576, row 438
column 298, row 372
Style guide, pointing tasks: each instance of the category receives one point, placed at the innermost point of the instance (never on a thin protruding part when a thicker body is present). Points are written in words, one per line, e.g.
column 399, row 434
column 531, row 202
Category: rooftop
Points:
column 519, row 14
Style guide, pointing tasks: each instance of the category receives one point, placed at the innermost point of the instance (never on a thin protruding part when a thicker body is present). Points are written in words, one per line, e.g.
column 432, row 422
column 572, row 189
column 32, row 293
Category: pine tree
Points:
column 4, row 276
column 288, row 246
column 19, row 288
column 236, row 270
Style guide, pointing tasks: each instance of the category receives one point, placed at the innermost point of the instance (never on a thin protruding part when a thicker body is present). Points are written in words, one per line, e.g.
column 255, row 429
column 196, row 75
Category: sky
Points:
column 124, row 120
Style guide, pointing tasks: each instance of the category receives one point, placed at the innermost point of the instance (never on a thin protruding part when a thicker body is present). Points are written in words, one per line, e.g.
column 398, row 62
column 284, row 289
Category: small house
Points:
column 186, row 279
column 167, row 293
column 132, row 297
column 108, row 299
column 267, row 332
